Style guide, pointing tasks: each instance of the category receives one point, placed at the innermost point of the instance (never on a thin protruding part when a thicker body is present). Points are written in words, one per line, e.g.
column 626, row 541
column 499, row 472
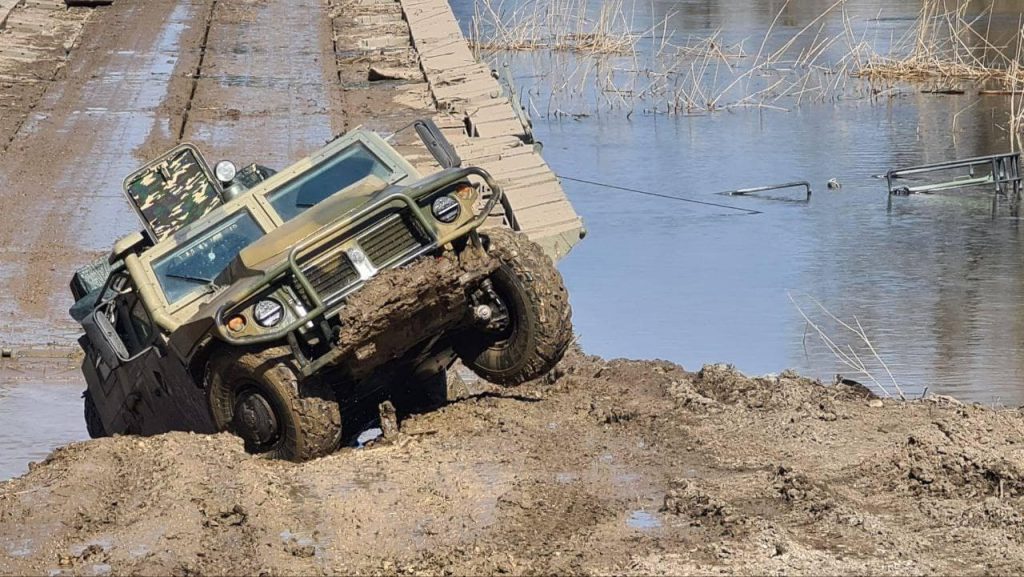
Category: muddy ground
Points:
column 614, row 467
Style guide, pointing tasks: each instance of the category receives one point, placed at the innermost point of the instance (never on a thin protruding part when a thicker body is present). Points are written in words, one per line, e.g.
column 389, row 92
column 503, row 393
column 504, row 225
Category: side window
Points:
column 142, row 324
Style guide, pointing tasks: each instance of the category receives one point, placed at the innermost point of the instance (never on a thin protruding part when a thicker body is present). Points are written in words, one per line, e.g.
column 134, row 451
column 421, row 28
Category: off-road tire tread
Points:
column 313, row 405
column 93, row 422
column 549, row 299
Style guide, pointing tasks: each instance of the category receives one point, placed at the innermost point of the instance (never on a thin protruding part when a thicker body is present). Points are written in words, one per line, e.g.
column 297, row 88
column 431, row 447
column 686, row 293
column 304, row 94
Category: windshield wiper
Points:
column 189, row 278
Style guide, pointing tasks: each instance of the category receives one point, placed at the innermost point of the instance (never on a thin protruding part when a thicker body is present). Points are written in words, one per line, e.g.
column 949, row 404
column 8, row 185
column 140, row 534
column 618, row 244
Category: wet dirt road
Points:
column 247, row 81
column 99, row 92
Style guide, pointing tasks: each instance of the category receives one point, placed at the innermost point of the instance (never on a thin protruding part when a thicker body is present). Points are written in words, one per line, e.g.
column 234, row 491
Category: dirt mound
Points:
column 954, row 456
column 606, row 467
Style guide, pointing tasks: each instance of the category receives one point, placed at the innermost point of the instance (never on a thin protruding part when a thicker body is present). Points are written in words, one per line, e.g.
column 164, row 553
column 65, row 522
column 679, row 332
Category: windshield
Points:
column 197, row 263
column 349, row 166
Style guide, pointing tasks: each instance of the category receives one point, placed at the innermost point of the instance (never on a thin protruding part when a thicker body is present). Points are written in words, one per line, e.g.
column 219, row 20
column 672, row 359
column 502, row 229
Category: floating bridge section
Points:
column 483, row 124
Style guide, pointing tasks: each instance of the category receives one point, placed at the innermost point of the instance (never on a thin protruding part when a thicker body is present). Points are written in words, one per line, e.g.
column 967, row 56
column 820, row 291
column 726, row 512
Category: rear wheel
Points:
column 259, row 396
column 93, row 423
column 535, row 320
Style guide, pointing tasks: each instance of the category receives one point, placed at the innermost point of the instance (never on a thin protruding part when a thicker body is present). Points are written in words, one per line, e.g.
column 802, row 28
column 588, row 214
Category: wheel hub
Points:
column 496, row 319
column 254, row 419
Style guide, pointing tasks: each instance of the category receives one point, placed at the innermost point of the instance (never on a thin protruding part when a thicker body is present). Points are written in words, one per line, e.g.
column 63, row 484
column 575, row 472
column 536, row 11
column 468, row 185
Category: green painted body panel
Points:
column 173, row 192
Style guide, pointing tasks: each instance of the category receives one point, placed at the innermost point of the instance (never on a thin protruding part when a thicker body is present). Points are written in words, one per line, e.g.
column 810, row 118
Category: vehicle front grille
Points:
column 329, row 271
column 385, row 242
column 390, row 239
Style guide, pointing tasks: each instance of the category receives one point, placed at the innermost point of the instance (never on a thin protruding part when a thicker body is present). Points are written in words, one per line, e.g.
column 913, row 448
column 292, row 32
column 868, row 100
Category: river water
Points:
column 935, row 283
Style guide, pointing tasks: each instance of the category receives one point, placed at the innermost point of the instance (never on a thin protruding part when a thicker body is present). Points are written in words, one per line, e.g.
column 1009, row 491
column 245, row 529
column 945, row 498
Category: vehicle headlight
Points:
column 268, row 313
column 446, row 209
column 225, row 171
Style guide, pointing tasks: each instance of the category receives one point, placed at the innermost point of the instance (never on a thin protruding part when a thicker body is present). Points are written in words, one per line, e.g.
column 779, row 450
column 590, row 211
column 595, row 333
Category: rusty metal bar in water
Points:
column 748, row 191
column 1003, row 170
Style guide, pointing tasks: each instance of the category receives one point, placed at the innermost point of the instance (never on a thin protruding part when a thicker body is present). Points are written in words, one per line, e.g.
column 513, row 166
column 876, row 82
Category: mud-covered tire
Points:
column 93, row 423
column 307, row 414
column 540, row 316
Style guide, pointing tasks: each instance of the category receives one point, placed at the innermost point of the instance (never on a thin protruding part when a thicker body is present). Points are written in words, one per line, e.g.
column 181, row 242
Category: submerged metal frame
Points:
column 1003, row 171
column 749, row 191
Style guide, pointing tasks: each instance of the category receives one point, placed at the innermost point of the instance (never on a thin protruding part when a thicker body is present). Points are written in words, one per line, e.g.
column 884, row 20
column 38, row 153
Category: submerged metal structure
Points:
column 1001, row 172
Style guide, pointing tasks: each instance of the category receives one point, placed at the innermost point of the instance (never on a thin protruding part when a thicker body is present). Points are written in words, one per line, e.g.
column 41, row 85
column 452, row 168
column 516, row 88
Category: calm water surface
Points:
column 35, row 418
column 936, row 283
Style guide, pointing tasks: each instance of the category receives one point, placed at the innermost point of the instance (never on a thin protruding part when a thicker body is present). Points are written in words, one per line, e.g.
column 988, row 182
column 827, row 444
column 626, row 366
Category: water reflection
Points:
column 936, row 283
column 26, row 434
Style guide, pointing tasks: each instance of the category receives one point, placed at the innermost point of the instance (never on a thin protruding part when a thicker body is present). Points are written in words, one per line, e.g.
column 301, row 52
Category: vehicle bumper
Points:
column 401, row 308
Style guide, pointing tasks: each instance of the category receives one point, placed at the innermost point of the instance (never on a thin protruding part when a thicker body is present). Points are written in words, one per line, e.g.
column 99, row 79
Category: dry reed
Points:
column 866, row 363
column 593, row 59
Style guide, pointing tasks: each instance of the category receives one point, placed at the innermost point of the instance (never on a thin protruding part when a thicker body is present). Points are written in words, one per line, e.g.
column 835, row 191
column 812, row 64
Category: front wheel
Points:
column 535, row 325
column 259, row 397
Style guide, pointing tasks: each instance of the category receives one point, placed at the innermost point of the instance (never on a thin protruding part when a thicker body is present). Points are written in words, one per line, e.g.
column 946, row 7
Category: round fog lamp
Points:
column 268, row 313
column 225, row 171
column 445, row 209
column 236, row 323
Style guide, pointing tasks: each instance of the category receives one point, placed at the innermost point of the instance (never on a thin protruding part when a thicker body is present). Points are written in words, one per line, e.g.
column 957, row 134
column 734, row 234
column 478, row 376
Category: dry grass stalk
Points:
column 600, row 63
column 946, row 47
column 846, row 352
column 586, row 64
column 557, row 25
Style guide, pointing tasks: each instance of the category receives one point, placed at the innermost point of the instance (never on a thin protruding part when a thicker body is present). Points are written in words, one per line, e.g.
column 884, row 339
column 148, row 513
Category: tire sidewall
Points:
column 507, row 356
column 532, row 289
column 228, row 380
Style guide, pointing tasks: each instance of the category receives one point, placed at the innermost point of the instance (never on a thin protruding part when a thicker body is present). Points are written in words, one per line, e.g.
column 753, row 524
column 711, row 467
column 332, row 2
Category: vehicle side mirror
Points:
column 105, row 339
column 439, row 147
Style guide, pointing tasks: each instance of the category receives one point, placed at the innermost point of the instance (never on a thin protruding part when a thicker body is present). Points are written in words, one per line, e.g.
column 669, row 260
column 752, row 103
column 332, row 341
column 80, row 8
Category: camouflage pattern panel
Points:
column 173, row 191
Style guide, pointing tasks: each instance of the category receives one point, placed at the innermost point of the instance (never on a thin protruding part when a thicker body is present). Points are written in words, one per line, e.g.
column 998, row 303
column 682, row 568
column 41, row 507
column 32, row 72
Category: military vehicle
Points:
column 256, row 301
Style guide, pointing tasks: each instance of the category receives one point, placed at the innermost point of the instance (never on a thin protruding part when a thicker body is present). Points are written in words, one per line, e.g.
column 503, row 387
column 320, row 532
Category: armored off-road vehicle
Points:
column 258, row 302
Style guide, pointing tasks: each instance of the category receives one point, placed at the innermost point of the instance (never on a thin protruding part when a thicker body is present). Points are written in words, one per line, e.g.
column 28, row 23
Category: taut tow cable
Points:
column 659, row 194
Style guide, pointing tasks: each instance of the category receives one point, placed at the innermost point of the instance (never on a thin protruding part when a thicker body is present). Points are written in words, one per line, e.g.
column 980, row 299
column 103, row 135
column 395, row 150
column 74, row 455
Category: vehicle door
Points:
column 141, row 398
column 176, row 402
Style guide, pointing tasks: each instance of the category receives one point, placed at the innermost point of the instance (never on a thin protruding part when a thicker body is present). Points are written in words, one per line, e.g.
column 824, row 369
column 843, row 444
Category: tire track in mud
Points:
column 35, row 47
column 198, row 73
